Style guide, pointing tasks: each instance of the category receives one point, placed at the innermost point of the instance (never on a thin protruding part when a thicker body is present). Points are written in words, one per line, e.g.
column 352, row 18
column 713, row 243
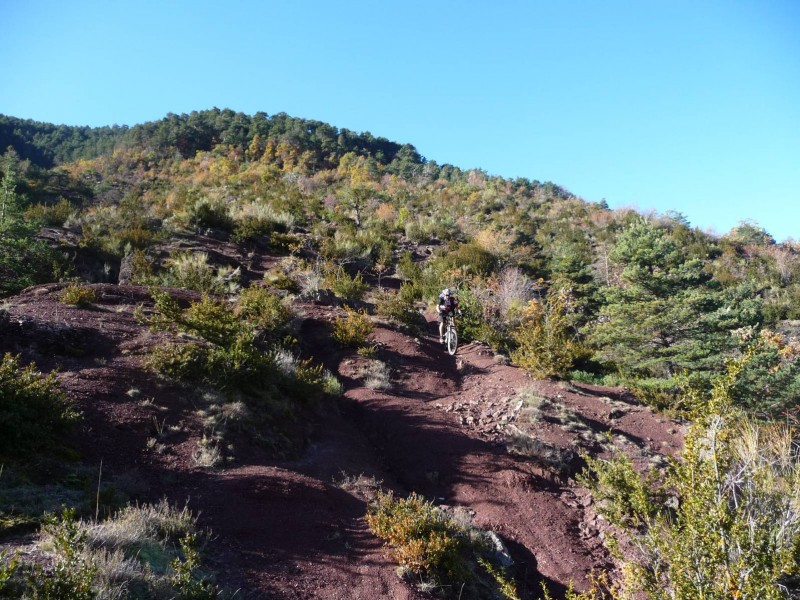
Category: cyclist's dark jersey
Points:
column 449, row 305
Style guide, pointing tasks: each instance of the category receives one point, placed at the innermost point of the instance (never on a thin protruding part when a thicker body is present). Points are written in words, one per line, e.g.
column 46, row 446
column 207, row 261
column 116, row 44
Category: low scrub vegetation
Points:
column 347, row 287
column 545, row 341
column 352, row 329
column 730, row 524
column 78, row 295
column 34, row 410
column 238, row 349
column 452, row 559
column 149, row 551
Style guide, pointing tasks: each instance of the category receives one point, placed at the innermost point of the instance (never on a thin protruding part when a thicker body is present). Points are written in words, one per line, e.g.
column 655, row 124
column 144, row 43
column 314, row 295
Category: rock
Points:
column 499, row 550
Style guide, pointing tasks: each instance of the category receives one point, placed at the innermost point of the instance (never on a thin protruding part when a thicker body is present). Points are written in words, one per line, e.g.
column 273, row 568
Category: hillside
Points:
column 295, row 527
column 238, row 316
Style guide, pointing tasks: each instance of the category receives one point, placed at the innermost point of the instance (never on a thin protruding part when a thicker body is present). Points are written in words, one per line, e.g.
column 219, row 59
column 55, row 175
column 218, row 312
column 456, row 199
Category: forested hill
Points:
column 320, row 145
column 645, row 300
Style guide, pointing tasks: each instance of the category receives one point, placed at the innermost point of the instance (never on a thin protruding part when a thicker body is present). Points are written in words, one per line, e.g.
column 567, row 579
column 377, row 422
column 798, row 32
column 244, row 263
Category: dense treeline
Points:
column 320, row 145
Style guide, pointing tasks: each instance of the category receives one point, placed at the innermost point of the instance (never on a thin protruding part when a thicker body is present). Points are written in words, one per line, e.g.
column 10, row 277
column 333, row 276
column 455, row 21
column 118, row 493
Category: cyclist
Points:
column 447, row 305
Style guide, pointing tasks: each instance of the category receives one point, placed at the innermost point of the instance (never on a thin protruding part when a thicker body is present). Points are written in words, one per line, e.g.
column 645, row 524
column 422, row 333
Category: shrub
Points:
column 228, row 355
column 210, row 213
column 545, row 345
column 135, row 236
column 769, row 384
column 185, row 572
column 407, row 268
column 192, row 271
column 265, row 310
column 470, row 258
column 78, row 295
column 33, row 409
column 472, row 324
column 377, row 376
column 54, row 215
column 280, row 281
column 132, row 554
column 421, row 538
column 331, row 384
column 142, row 268
column 73, row 574
column 251, row 230
column 7, row 570
column 622, row 495
column 398, row 307
column 347, row 287
column 734, row 528
column 352, row 329
column 285, row 242
column 231, row 354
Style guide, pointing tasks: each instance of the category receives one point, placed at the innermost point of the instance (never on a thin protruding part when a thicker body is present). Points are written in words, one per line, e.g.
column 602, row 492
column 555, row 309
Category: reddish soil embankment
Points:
column 427, row 422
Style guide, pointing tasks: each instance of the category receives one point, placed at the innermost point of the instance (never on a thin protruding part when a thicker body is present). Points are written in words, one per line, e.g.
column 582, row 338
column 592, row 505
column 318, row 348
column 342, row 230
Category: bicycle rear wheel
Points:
column 451, row 337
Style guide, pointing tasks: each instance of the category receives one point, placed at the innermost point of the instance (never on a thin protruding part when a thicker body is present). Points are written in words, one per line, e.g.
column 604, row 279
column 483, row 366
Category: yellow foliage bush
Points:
column 545, row 345
column 352, row 329
column 422, row 539
column 78, row 295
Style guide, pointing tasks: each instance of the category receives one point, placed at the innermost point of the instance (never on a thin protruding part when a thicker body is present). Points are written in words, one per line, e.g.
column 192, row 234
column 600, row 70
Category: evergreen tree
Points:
column 666, row 315
column 23, row 259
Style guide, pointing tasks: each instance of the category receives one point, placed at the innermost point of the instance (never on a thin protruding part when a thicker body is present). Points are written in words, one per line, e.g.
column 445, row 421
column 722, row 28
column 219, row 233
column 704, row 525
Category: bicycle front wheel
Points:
column 452, row 341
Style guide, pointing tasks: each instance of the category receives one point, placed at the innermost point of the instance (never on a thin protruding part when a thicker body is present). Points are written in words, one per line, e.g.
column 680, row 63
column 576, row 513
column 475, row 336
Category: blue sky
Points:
column 687, row 106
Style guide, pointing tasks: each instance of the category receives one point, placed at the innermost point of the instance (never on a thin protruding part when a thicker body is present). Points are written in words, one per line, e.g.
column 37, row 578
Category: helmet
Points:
column 446, row 291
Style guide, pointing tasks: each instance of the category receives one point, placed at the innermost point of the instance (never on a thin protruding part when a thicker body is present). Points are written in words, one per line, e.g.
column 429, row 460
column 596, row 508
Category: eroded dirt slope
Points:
column 412, row 418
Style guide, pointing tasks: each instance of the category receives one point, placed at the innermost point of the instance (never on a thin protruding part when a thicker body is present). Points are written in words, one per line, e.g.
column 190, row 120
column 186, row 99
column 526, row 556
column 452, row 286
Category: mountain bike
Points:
column 450, row 335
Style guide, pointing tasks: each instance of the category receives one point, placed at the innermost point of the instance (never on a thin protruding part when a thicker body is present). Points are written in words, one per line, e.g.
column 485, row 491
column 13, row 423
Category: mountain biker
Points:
column 447, row 305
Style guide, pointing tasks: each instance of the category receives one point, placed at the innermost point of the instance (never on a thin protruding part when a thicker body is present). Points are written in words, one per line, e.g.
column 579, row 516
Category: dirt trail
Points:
column 295, row 529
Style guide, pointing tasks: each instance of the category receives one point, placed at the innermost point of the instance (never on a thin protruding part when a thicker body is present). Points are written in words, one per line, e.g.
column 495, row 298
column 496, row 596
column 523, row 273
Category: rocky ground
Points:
column 470, row 432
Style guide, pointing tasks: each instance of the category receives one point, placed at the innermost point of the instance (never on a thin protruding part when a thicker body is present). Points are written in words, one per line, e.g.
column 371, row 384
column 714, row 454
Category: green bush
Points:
column 7, row 570
column 73, row 574
column 33, row 409
column 472, row 324
column 193, row 272
column 265, row 310
column 78, row 295
column 622, row 495
column 347, row 287
column 54, row 215
column 143, row 268
column 469, row 258
column 251, row 230
column 769, row 384
column 147, row 551
column 407, row 268
column 397, row 306
column 233, row 353
column 185, row 569
column 352, row 329
column 211, row 214
column 732, row 530
column 281, row 281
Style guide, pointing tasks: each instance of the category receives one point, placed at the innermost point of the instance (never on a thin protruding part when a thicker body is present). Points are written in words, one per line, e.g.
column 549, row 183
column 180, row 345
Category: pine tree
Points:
column 23, row 259
column 667, row 315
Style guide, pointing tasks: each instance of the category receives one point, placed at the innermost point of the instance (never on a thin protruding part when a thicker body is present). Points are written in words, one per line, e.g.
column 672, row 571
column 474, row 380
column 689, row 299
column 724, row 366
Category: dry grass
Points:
column 364, row 487
column 377, row 375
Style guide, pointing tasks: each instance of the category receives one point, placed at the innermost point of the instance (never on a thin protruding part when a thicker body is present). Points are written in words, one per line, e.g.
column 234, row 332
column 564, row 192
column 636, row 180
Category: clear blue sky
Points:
column 682, row 105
